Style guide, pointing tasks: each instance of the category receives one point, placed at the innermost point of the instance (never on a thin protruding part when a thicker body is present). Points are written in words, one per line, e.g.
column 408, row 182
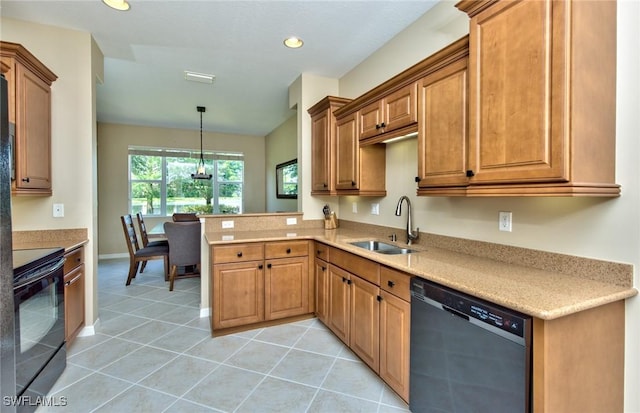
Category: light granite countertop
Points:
column 540, row 293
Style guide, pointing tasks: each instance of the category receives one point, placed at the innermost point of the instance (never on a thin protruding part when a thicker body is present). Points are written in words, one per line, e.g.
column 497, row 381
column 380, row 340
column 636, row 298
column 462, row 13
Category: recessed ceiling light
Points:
column 117, row 4
column 198, row 77
column 293, row 42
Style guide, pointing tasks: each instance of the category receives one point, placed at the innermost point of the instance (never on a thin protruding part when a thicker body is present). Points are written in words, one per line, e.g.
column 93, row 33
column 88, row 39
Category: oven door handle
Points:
column 42, row 274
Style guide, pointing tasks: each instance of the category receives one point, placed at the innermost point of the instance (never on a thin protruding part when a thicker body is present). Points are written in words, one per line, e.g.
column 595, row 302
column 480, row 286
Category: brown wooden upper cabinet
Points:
column 29, row 84
column 392, row 112
column 443, row 126
column 542, row 89
column 323, row 144
column 360, row 170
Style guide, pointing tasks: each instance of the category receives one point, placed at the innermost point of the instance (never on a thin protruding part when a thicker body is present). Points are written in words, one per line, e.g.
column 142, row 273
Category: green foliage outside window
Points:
column 162, row 185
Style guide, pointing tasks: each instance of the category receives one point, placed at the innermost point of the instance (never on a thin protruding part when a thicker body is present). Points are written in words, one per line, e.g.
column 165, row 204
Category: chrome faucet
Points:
column 411, row 236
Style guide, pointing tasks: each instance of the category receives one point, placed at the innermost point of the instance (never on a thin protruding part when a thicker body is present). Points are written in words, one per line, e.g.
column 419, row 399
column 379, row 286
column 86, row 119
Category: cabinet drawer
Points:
column 283, row 249
column 74, row 259
column 354, row 264
column 238, row 253
column 395, row 282
column 322, row 251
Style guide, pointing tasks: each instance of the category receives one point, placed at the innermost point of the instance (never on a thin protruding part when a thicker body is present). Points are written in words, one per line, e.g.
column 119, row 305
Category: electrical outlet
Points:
column 227, row 224
column 292, row 221
column 58, row 210
column 375, row 209
column 504, row 221
column 354, row 207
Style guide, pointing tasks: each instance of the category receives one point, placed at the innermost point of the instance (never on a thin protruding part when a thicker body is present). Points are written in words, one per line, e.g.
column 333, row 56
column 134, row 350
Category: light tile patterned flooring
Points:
column 153, row 353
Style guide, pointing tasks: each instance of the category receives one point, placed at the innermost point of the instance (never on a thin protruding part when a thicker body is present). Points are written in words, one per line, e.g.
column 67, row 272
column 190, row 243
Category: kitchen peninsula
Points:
column 577, row 303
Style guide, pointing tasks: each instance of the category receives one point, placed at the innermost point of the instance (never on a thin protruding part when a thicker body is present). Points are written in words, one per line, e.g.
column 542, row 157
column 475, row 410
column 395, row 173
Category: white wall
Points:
column 607, row 229
column 75, row 59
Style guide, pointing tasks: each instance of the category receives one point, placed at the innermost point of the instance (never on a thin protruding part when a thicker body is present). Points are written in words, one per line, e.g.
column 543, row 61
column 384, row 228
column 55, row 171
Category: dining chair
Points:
column 145, row 238
column 137, row 254
column 184, row 249
column 184, row 217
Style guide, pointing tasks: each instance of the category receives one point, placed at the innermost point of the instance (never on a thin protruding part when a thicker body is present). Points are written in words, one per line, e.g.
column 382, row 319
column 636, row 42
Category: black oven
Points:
column 39, row 323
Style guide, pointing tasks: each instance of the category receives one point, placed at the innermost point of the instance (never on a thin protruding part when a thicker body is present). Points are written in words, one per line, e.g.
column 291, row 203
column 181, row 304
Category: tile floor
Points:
column 153, row 353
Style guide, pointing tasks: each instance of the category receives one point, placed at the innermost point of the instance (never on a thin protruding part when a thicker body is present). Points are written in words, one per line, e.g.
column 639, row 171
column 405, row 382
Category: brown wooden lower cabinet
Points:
column 286, row 287
column 372, row 320
column 73, row 293
column 256, row 283
column 395, row 317
column 578, row 361
column 238, row 294
column 322, row 290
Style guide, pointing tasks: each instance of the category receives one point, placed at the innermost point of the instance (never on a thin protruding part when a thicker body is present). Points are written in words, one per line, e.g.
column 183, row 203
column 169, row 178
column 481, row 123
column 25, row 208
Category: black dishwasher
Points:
column 467, row 355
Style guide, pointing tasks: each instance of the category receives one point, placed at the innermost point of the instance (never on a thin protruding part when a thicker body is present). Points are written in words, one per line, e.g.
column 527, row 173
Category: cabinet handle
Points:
column 390, row 283
column 260, row 267
column 269, row 265
column 240, row 254
column 25, row 179
column 470, row 173
column 288, row 250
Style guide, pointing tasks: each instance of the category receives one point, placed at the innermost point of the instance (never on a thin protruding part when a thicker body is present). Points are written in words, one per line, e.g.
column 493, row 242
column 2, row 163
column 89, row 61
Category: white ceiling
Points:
column 148, row 48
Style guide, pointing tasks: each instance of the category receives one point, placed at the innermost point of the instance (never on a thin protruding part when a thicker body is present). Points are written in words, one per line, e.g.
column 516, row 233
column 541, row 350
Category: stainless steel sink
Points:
column 382, row 247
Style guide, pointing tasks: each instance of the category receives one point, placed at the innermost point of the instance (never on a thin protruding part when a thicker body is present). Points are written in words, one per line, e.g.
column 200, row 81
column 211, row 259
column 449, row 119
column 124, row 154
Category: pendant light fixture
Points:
column 200, row 172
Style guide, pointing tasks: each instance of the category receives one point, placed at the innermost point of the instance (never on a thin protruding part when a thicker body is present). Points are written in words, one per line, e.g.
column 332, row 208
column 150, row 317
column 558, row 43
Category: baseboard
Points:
column 205, row 312
column 89, row 330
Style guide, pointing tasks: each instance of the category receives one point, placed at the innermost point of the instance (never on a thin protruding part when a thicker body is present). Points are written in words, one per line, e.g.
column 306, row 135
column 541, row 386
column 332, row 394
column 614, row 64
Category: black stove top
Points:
column 27, row 260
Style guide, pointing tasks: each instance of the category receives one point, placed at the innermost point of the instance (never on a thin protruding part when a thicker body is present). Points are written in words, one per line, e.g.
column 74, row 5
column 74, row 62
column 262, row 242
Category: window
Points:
column 160, row 182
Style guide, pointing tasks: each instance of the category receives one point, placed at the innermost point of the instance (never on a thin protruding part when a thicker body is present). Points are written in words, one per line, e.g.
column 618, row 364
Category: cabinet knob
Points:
column 240, row 254
column 260, row 267
column 379, row 298
column 378, row 126
column 288, row 250
column 470, row 173
column 323, row 269
column 25, row 179
column 353, row 183
column 324, row 185
column 390, row 283
column 382, row 125
column 269, row 265
column 417, row 179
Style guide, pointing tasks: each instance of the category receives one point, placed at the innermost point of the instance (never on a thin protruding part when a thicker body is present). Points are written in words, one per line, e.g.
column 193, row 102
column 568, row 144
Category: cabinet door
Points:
column 442, row 133
column 371, row 120
column 339, row 302
column 400, row 108
column 347, row 153
column 320, row 154
column 73, row 302
column 395, row 317
column 33, row 131
column 322, row 290
column 238, row 294
column 286, row 287
column 364, row 337
column 516, row 89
